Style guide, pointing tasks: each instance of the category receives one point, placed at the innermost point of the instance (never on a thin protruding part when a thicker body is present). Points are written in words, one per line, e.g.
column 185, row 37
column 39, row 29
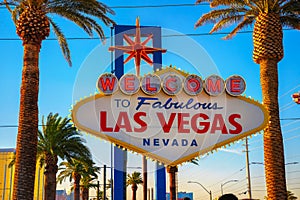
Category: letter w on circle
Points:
column 108, row 83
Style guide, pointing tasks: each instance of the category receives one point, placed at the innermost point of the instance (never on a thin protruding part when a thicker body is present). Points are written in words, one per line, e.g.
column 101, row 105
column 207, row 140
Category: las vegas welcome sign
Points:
column 170, row 116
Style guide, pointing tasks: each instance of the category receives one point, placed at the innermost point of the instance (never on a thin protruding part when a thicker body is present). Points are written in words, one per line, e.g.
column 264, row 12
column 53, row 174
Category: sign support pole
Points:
column 119, row 155
column 160, row 182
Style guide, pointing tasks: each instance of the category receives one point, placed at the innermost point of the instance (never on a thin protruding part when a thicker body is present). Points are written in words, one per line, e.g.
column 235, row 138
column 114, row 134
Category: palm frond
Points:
column 258, row 4
column 7, row 4
column 203, row 1
column 246, row 22
column 134, row 178
column 194, row 161
column 216, row 15
column 87, row 14
column 88, row 9
column 291, row 21
column 62, row 42
column 225, row 22
column 291, row 7
column 230, row 3
column 60, row 138
column 76, row 17
column 12, row 162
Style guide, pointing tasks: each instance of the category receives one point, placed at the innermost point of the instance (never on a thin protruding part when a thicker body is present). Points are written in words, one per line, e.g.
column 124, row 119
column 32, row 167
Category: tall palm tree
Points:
column 90, row 175
column 76, row 170
column 268, row 17
column 85, row 185
column 58, row 139
column 134, row 180
column 33, row 21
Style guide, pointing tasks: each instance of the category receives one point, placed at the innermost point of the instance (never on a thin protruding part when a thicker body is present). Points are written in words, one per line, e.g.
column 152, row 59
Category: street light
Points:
column 225, row 184
column 209, row 192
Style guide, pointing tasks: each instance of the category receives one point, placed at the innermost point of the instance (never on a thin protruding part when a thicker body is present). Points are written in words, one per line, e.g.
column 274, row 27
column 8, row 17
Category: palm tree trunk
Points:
column 172, row 176
column 50, row 177
column 134, row 189
column 85, row 193
column 28, row 126
column 273, row 143
column 76, row 178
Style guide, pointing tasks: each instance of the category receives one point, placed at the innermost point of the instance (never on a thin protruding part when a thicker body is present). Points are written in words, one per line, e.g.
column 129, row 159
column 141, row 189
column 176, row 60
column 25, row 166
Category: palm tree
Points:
column 85, row 185
column 76, row 170
column 268, row 17
column 86, row 181
column 134, row 180
column 33, row 21
column 58, row 139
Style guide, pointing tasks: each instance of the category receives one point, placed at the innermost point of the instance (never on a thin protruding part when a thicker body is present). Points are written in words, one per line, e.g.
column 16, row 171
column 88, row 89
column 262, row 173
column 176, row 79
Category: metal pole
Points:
column 98, row 191
column 221, row 189
column 111, row 173
column 145, row 177
column 104, row 182
column 248, row 170
column 149, row 193
column 222, row 184
column 152, row 194
column 209, row 192
column 38, row 185
column 4, row 183
column 111, row 145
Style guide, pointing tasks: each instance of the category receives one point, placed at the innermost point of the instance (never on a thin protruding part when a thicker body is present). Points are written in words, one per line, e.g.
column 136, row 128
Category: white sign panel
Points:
column 171, row 129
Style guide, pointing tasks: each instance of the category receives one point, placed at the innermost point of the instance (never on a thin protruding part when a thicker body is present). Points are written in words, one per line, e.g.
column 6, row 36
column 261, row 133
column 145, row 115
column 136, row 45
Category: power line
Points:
column 170, row 35
column 148, row 6
column 159, row 6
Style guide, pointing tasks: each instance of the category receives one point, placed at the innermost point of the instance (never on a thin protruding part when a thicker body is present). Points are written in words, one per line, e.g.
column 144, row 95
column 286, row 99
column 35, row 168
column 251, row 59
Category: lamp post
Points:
column 226, row 183
column 209, row 192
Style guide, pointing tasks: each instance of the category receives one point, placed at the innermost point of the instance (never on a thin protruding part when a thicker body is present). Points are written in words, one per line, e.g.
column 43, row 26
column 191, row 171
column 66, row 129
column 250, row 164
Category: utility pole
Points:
column 145, row 179
column 98, row 190
column 248, row 170
column 104, row 182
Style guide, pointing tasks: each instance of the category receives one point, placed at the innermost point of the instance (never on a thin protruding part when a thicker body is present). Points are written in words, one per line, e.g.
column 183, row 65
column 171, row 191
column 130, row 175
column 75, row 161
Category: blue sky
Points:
column 60, row 87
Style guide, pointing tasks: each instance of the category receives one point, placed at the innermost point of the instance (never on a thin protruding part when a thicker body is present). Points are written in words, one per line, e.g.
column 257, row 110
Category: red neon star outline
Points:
column 137, row 49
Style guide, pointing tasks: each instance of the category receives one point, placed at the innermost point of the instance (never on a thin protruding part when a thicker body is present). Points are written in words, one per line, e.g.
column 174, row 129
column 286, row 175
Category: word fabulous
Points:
column 171, row 84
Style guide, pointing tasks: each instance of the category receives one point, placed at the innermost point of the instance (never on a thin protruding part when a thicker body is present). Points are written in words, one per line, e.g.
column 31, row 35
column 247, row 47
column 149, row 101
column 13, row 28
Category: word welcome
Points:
column 171, row 84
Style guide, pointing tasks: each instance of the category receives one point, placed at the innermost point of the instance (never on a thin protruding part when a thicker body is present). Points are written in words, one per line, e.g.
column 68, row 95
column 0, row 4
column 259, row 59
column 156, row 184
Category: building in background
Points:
column 61, row 195
column 7, row 176
column 181, row 195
